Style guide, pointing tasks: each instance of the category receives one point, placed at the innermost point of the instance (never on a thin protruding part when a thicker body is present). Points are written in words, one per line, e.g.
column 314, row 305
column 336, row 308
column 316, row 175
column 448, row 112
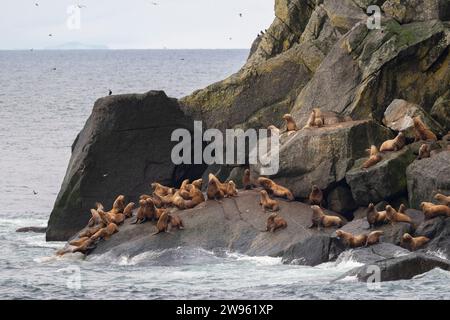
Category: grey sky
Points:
column 123, row 24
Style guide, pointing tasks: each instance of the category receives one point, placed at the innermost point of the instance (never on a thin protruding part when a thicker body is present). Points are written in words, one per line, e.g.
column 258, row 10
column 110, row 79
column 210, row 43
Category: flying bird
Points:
column 34, row 192
column 110, row 92
column 36, row 4
column 240, row 15
column 50, row 35
column 80, row 6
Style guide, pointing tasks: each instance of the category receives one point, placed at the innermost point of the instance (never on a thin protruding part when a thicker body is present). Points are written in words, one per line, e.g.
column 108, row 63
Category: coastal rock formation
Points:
column 235, row 224
column 322, row 156
column 399, row 117
column 406, row 11
column 124, row 146
column 386, row 180
column 428, row 176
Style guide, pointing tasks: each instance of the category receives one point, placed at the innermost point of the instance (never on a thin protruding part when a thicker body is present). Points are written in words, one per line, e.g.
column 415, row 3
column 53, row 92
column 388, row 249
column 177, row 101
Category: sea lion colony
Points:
column 157, row 207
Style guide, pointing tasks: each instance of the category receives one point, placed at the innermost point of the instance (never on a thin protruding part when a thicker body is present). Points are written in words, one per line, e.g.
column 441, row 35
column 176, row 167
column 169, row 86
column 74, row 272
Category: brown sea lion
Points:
column 215, row 190
column 246, row 180
column 395, row 216
column 146, row 211
column 161, row 190
column 374, row 158
column 118, row 205
column 96, row 219
column 320, row 219
column 421, row 131
column 163, row 223
column 85, row 247
column 412, row 243
column 402, row 209
column 90, row 231
column 267, row 203
column 374, row 237
column 375, row 217
column 290, row 123
column 316, row 196
column 351, row 240
column 443, row 199
column 128, row 211
column 78, row 242
column 430, row 210
column 275, row 222
column 395, row 144
column 231, row 189
column 311, row 122
column 319, row 119
column 106, row 232
column 198, row 184
column 272, row 188
column 424, row 152
column 117, row 218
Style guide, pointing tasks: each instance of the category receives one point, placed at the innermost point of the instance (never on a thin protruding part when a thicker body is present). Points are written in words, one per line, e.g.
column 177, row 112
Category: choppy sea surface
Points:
column 45, row 99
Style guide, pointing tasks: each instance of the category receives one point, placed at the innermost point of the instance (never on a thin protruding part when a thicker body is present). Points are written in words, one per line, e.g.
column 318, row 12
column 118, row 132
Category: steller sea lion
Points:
column 85, row 247
column 117, row 218
column 246, row 180
column 96, row 219
column 375, row 217
column 374, row 158
column 421, row 131
column 443, row 199
column 146, row 211
column 290, row 123
column 430, row 210
column 374, row 237
column 395, row 216
column 351, row 240
column 272, row 188
column 316, row 196
column 198, row 184
column 215, row 190
column 184, row 184
column 78, row 242
column 90, row 231
column 311, row 121
column 128, row 211
column 231, row 189
column 395, row 144
column 412, row 243
column 196, row 197
column 267, row 203
column 106, row 232
column 319, row 119
column 118, row 205
column 163, row 223
column 161, row 190
column 424, row 152
column 320, row 219
column 275, row 222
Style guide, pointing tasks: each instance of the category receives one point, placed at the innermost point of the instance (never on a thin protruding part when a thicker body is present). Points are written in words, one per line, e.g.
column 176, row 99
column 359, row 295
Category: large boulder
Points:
column 372, row 254
column 367, row 69
column 427, row 176
column 322, row 156
column 385, row 180
column 235, row 224
column 124, row 146
column 399, row 117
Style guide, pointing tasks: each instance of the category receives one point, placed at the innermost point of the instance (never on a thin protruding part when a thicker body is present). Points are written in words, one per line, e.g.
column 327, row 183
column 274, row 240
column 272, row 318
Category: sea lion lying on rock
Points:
column 272, row 188
column 320, row 219
column 275, row 222
column 374, row 158
column 351, row 240
column 443, row 199
column 395, row 216
column 374, row 237
column 106, row 233
column 374, row 217
column 161, row 190
column 431, row 210
column 268, row 203
column 422, row 132
column 395, row 144
column 411, row 243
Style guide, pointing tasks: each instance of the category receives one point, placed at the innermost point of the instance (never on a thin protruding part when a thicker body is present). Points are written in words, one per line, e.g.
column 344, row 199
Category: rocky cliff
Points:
column 316, row 53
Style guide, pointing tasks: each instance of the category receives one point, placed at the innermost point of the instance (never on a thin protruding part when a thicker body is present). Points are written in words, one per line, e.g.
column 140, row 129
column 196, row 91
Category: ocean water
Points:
column 45, row 99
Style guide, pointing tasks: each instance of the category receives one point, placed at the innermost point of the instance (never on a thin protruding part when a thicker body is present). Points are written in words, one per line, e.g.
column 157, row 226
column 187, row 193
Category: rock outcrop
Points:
column 124, row 146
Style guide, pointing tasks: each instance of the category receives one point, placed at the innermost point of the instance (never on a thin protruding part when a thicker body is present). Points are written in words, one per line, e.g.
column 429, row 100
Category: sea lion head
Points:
column 287, row 117
column 339, row 234
column 264, row 193
column 272, row 216
column 407, row 237
column 315, row 188
column 371, row 206
column 142, row 203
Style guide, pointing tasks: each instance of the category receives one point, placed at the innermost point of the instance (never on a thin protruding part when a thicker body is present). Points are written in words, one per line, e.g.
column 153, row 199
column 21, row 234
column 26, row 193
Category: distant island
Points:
column 77, row 46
